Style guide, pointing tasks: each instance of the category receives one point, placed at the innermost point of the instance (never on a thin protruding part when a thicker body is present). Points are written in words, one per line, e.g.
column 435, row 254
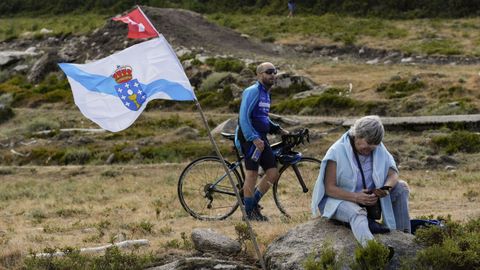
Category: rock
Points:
column 187, row 132
column 45, row 31
column 285, row 80
column 314, row 92
column 207, row 240
column 227, row 126
column 20, row 68
column 373, row 61
column 46, row 64
column 110, row 158
column 291, row 250
column 203, row 263
column 406, row 60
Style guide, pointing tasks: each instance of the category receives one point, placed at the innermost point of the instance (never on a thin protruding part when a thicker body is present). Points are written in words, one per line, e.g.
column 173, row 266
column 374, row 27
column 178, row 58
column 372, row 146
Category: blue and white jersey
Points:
column 253, row 117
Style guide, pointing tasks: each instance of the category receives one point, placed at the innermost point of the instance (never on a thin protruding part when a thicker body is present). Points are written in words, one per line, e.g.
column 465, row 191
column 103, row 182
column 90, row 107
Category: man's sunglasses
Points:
column 270, row 71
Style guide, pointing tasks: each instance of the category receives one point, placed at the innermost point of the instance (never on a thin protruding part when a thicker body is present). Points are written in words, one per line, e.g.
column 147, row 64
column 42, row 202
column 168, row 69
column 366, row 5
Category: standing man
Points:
column 291, row 8
column 251, row 135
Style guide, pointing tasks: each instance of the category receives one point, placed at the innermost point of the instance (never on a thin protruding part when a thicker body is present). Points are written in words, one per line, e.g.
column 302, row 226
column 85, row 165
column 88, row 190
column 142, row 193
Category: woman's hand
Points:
column 365, row 198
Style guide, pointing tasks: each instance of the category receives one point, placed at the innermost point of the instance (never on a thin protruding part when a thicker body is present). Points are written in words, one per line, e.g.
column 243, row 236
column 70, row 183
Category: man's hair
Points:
column 369, row 128
column 261, row 68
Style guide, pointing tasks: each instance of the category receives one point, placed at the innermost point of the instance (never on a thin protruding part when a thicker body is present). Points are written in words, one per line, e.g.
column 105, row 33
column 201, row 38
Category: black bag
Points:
column 374, row 211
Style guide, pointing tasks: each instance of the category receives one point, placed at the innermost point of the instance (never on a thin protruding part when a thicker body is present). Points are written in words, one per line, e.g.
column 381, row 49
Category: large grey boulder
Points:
column 207, row 240
column 292, row 249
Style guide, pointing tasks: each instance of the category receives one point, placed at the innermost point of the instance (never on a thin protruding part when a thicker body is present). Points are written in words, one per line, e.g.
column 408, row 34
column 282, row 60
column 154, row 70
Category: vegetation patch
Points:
column 330, row 102
column 113, row 258
column 401, row 88
column 228, row 64
column 454, row 246
column 458, row 141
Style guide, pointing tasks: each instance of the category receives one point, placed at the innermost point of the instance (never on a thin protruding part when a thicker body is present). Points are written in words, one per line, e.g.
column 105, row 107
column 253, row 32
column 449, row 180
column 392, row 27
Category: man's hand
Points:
column 259, row 144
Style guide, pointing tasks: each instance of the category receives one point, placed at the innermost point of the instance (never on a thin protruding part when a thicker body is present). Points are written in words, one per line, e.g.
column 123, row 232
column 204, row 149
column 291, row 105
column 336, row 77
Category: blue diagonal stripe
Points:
column 103, row 84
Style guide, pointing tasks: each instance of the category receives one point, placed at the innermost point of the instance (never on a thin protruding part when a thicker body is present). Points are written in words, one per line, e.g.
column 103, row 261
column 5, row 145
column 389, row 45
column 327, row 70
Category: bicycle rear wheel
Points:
column 289, row 195
column 198, row 194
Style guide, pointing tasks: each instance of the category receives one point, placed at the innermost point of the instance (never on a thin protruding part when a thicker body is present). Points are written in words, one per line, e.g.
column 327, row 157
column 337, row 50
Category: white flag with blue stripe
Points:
column 114, row 91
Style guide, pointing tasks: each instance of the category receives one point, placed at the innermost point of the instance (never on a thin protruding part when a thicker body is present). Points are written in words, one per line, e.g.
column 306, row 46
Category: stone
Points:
column 290, row 250
column 209, row 241
column 228, row 126
column 43, row 66
column 203, row 263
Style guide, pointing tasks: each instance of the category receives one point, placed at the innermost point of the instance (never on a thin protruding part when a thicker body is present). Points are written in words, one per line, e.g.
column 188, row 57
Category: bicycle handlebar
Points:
column 296, row 138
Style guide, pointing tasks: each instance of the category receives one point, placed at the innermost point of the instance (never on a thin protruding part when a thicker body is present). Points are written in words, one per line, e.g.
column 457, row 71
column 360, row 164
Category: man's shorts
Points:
column 266, row 160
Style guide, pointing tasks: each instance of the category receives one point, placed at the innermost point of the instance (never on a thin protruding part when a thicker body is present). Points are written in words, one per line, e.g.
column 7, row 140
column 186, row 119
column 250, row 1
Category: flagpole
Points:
column 237, row 194
column 151, row 24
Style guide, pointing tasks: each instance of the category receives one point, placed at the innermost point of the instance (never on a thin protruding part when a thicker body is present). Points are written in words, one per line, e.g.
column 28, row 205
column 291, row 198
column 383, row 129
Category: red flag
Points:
column 139, row 26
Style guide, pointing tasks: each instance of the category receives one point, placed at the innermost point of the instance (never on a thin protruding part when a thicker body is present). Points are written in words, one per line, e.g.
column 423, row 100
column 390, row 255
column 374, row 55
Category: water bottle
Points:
column 256, row 154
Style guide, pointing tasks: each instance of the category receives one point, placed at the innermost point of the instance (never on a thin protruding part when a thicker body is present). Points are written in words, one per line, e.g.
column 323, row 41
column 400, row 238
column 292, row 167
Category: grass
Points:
column 27, row 27
column 420, row 36
column 85, row 206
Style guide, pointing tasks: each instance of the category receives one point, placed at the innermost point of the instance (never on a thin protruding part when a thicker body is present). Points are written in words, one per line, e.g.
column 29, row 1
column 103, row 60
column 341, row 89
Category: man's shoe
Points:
column 256, row 215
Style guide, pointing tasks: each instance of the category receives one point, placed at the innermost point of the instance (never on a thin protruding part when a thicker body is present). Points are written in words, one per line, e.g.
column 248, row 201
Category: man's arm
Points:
column 246, row 107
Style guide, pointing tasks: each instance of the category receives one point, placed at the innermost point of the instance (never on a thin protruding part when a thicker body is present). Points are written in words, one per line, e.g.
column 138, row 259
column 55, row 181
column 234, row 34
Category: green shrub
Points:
column 458, row 141
column 6, row 113
column 401, row 88
column 212, row 82
column 327, row 260
column 228, row 64
column 372, row 257
column 73, row 259
column 41, row 124
column 327, row 103
column 76, row 156
column 454, row 246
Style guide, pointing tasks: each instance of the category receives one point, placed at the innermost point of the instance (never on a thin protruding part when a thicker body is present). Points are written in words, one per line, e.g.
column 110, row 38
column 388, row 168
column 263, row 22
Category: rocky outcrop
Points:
column 207, row 240
column 292, row 249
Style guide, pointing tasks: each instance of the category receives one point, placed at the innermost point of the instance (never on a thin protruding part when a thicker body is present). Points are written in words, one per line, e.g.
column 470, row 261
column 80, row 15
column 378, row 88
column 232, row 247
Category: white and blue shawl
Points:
column 342, row 153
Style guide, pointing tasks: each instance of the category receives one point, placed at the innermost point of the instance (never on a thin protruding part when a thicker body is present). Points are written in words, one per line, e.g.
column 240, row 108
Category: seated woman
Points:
column 357, row 171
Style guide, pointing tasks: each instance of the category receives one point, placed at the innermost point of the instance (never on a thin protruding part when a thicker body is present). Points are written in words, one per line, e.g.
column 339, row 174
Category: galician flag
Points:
column 139, row 26
column 114, row 91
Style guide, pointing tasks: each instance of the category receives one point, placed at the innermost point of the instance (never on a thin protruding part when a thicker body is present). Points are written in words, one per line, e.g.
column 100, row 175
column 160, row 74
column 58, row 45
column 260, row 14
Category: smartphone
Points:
column 386, row 188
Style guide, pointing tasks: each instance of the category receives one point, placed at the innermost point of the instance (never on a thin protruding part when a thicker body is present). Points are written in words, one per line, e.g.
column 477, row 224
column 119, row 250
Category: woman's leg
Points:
column 356, row 216
column 399, row 196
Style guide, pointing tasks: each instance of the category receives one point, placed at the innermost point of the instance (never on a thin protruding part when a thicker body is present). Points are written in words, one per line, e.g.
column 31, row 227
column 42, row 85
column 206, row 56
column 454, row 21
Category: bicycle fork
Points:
column 300, row 178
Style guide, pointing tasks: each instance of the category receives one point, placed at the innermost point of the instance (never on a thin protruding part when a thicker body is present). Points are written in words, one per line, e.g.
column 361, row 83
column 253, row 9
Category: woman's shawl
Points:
column 341, row 152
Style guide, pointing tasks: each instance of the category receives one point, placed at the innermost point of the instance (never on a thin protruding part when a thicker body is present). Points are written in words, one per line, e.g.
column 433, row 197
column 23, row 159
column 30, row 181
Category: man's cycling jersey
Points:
column 254, row 122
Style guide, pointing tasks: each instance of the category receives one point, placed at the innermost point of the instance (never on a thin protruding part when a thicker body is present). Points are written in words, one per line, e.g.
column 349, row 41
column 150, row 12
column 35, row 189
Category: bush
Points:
column 112, row 259
column 372, row 257
column 6, row 113
column 228, row 64
column 401, row 88
column 327, row 260
column 76, row 156
column 458, row 141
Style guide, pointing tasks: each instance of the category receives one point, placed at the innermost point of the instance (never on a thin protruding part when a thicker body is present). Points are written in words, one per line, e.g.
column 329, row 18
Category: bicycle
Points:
column 205, row 191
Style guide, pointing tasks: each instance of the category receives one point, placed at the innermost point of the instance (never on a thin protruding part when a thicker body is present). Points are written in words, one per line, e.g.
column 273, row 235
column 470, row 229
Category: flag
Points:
column 139, row 26
column 114, row 91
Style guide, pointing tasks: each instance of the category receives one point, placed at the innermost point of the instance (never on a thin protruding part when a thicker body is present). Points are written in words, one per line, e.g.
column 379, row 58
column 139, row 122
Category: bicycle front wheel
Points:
column 205, row 191
column 290, row 197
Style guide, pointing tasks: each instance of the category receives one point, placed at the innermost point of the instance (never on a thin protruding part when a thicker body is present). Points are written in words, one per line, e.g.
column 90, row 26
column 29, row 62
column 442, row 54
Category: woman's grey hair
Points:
column 369, row 128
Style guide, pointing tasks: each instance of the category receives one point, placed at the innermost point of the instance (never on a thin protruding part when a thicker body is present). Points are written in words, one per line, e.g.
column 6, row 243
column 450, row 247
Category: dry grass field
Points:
column 87, row 206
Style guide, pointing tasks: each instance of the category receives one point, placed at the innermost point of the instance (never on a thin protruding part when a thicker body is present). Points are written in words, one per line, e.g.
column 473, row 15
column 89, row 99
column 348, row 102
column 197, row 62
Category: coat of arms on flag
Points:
column 128, row 90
